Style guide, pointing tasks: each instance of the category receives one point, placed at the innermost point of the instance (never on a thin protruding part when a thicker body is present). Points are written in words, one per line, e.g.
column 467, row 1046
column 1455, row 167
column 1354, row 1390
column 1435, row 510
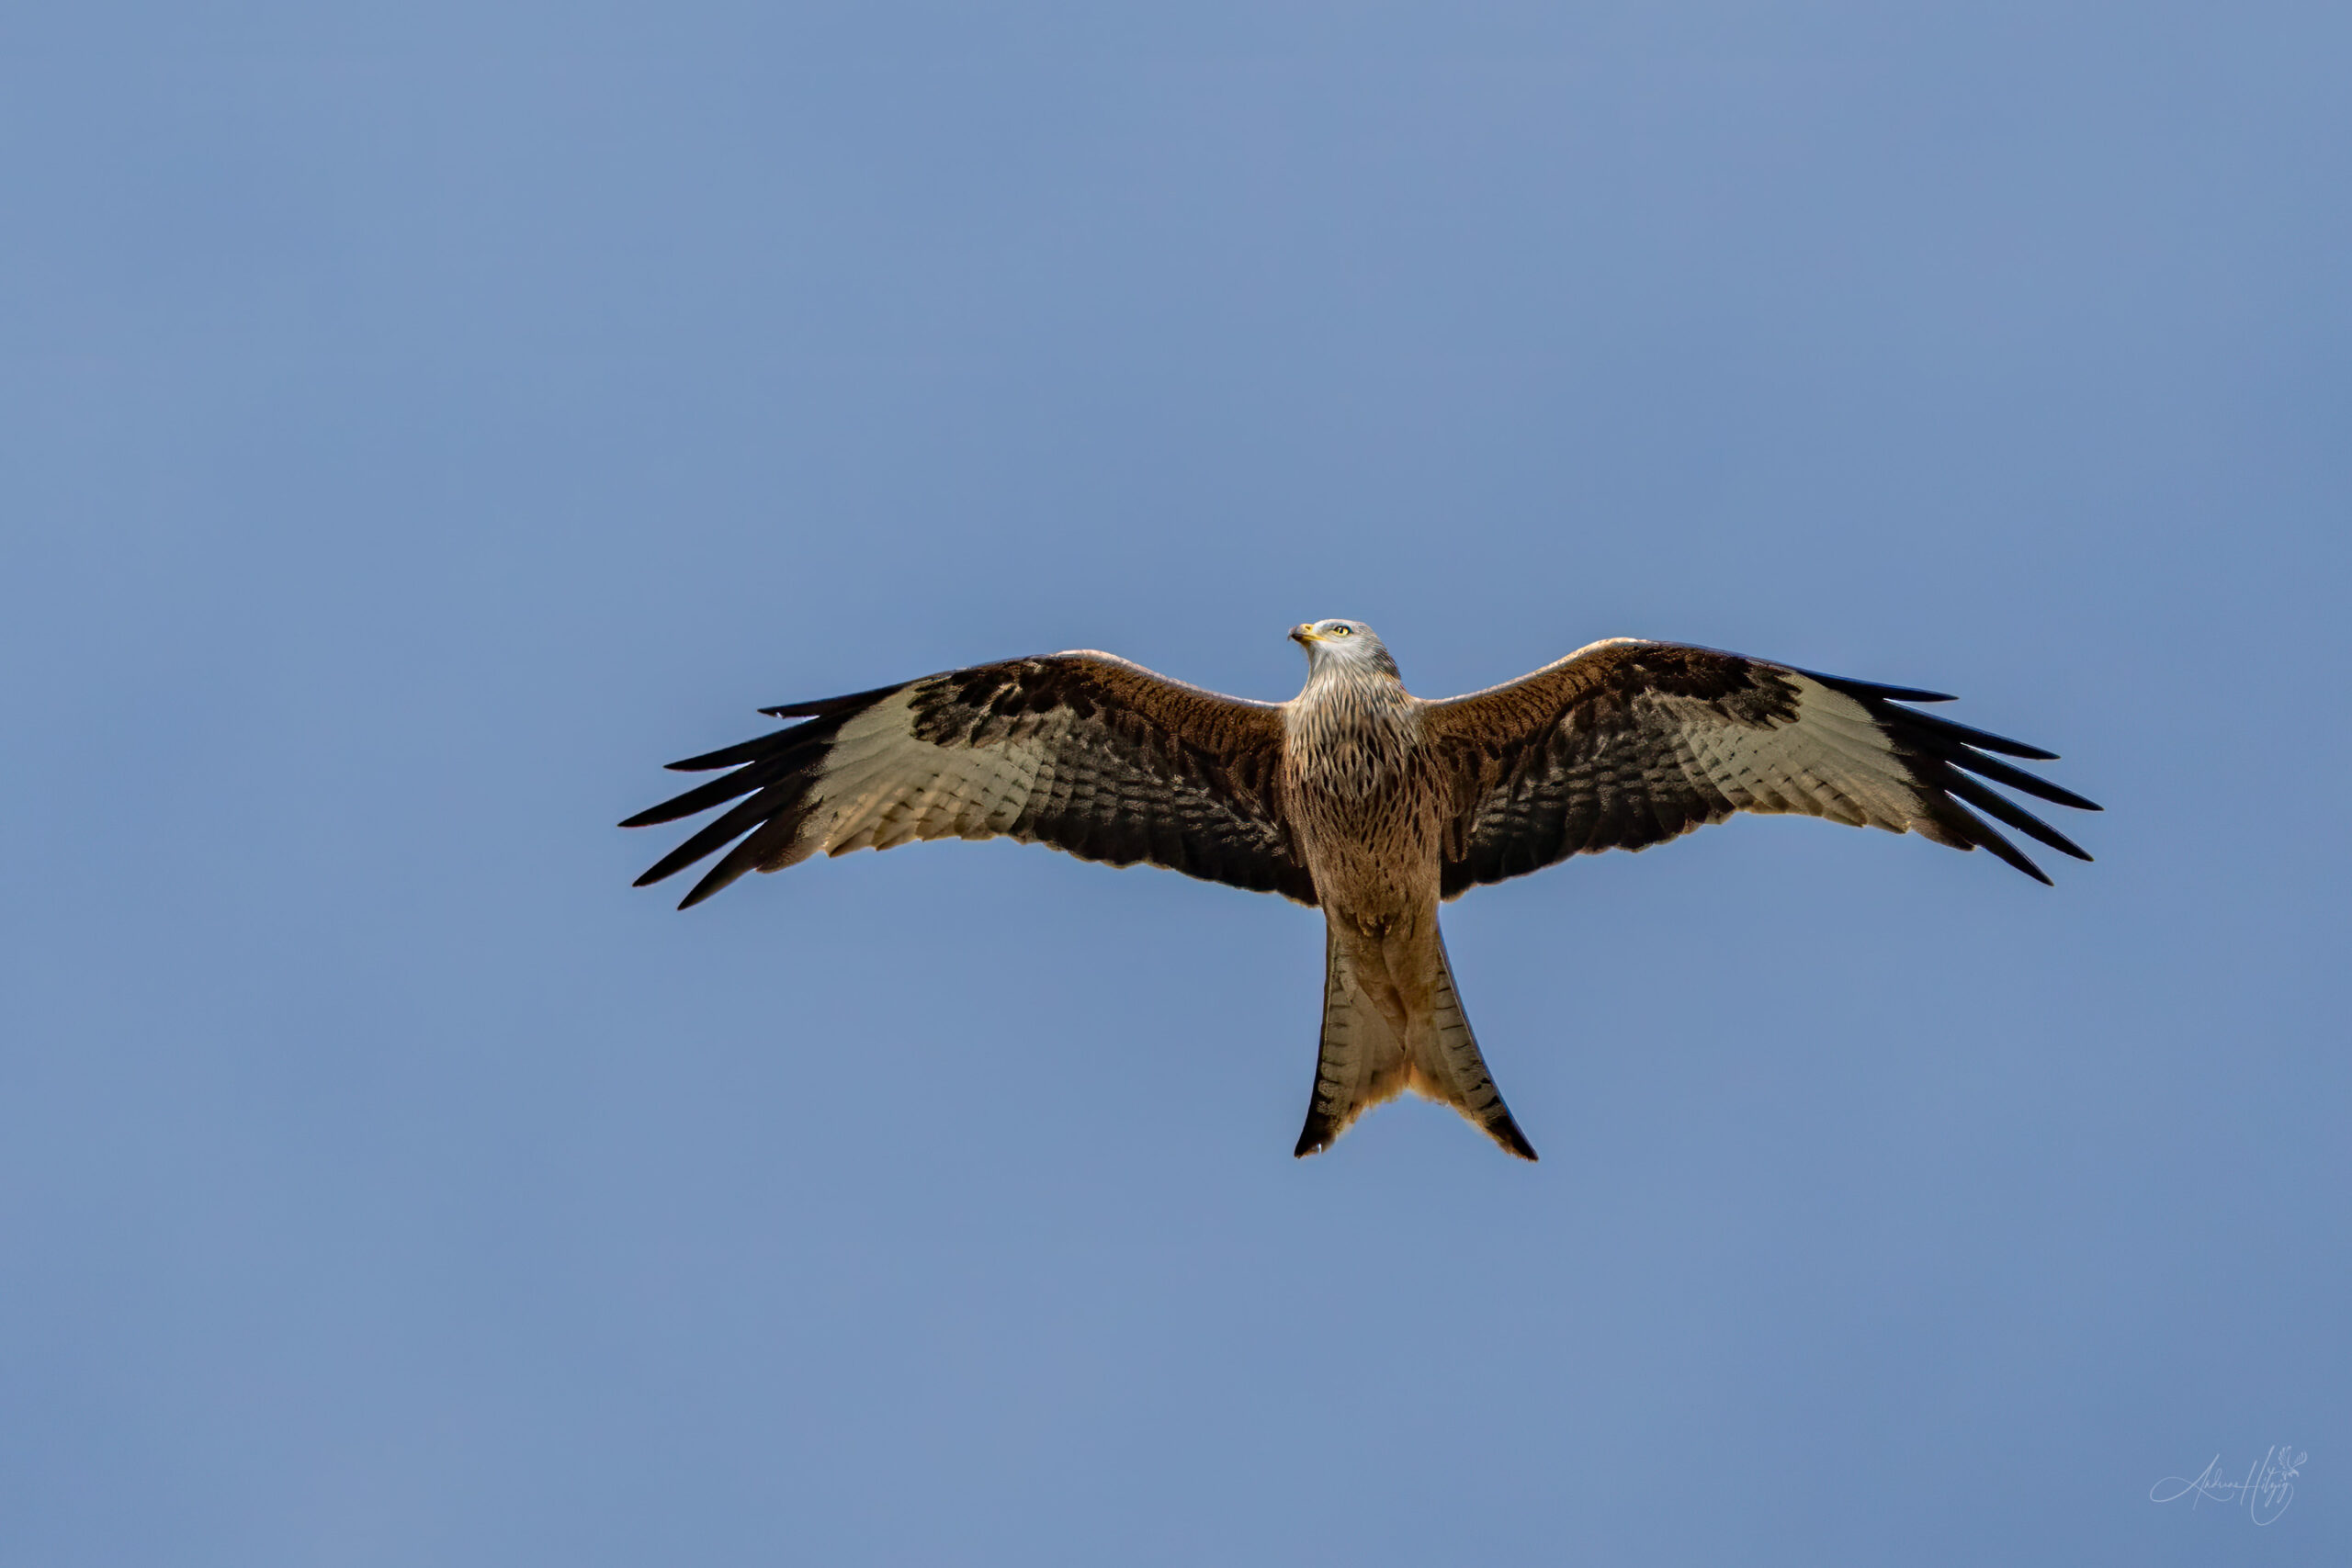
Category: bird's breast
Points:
column 1363, row 798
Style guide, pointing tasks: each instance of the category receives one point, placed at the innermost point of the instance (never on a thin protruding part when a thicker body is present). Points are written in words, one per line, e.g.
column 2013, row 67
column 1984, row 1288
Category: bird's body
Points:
column 1355, row 796
column 1365, row 795
column 1361, row 791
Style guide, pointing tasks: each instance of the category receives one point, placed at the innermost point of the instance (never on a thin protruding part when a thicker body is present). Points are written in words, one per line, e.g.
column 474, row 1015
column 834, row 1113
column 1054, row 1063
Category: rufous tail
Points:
column 1381, row 1038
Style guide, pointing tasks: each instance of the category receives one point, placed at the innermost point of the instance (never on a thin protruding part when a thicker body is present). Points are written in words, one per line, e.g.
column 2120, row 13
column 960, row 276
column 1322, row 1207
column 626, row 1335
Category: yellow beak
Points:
column 1304, row 635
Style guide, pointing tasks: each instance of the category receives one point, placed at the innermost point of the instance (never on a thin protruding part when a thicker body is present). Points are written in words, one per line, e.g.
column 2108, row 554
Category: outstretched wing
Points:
column 1629, row 743
column 1082, row 751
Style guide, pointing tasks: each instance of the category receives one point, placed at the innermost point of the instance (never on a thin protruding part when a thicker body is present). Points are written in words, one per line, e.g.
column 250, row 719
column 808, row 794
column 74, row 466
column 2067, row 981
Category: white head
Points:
column 1343, row 646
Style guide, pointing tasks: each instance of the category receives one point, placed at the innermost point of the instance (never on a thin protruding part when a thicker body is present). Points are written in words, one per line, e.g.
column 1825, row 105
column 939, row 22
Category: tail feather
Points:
column 1448, row 1068
column 1419, row 1040
column 1362, row 1061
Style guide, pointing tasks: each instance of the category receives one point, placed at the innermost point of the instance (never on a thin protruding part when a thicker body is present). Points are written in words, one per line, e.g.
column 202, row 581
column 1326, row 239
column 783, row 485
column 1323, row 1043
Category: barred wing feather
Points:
column 1628, row 743
column 1082, row 751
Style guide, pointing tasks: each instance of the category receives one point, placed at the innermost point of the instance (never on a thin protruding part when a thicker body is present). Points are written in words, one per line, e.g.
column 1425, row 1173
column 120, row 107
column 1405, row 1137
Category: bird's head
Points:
column 1340, row 646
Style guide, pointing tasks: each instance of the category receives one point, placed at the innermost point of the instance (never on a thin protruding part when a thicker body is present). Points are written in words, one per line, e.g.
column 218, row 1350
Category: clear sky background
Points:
column 419, row 422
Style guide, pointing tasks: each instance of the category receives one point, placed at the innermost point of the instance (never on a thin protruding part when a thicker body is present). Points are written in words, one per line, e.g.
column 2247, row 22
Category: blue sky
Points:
column 422, row 423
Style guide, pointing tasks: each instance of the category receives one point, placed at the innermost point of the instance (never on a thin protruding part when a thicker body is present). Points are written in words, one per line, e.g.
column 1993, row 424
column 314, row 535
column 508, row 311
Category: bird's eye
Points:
column 1342, row 630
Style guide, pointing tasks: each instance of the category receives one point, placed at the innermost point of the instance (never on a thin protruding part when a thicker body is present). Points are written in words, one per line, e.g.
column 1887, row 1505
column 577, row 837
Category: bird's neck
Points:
column 1352, row 732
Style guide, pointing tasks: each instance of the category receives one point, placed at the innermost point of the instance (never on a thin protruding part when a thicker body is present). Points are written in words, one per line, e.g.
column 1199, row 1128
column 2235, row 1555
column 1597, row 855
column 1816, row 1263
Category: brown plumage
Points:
column 1355, row 796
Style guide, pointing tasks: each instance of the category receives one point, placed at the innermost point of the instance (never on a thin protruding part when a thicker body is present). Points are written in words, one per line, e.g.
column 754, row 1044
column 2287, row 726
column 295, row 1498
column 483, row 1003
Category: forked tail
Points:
column 1387, row 1031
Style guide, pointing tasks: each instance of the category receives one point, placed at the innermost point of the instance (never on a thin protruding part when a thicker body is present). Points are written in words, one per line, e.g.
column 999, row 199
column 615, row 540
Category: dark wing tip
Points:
column 734, row 756
column 2016, row 778
column 825, row 707
column 1981, row 834
column 1873, row 689
column 1983, row 740
column 1871, row 693
column 1893, row 693
column 776, row 771
column 730, row 867
column 1940, row 750
column 2004, row 809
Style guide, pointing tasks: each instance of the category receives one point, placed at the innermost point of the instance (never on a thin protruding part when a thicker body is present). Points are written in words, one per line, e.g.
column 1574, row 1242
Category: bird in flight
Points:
column 1355, row 797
